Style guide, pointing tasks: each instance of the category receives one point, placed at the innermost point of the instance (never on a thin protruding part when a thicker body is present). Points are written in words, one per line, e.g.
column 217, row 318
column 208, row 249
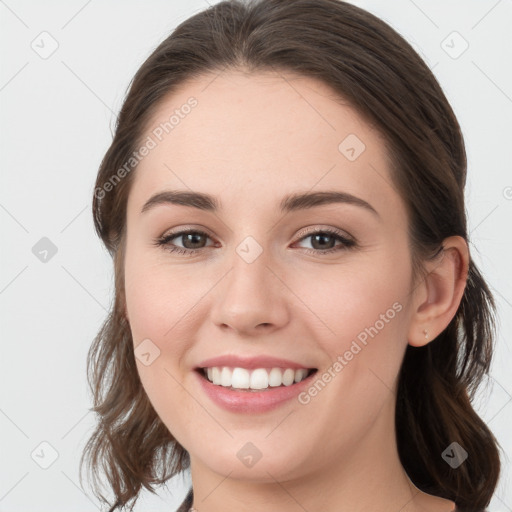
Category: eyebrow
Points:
column 290, row 203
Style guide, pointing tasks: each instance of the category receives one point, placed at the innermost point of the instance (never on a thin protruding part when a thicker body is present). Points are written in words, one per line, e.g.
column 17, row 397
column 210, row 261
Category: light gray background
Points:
column 57, row 115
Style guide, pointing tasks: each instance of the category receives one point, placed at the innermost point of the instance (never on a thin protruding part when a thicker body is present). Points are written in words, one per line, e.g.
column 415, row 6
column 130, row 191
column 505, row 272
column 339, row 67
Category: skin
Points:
column 338, row 452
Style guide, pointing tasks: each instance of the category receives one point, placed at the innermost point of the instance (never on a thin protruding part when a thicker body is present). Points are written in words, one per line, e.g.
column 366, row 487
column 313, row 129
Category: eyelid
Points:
column 186, row 228
column 324, row 229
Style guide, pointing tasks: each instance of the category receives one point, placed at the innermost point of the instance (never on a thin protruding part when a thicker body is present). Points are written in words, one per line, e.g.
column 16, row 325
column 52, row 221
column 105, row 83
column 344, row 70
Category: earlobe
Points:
column 440, row 292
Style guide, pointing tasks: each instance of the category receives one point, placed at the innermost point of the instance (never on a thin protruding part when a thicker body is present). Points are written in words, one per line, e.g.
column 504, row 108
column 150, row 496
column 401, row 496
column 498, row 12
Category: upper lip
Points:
column 261, row 361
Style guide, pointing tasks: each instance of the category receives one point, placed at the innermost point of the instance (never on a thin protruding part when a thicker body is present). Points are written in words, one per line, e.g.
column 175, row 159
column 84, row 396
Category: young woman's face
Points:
column 324, row 285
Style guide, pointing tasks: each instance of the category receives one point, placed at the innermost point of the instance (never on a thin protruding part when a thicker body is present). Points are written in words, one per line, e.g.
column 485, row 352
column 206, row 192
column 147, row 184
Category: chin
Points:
column 248, row 461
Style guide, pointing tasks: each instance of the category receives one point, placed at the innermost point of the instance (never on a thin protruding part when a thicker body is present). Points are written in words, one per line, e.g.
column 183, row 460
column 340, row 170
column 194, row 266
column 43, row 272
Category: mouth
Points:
column 254, row 379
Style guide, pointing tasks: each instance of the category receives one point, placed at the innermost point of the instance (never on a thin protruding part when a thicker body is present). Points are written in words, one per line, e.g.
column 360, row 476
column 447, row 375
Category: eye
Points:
column 324, row 240
column 193, row 241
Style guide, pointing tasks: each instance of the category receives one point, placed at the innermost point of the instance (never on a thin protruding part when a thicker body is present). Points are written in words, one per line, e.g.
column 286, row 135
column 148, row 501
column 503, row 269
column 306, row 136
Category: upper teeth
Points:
column 259, row 378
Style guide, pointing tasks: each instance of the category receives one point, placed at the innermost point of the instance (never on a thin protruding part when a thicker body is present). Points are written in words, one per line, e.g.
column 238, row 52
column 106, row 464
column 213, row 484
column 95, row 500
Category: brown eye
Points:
column 324, row 241
column 192, row 240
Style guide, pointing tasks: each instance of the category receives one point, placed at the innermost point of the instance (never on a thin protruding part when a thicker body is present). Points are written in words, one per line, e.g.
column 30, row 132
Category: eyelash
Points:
column 164, row 242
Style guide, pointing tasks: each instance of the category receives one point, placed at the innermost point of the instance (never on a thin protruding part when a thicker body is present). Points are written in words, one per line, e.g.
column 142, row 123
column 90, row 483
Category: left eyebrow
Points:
column 193, row 199
column 293, row 202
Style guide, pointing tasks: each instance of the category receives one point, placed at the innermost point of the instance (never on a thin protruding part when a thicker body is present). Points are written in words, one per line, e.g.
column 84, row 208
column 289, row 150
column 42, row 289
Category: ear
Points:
column 437, row 298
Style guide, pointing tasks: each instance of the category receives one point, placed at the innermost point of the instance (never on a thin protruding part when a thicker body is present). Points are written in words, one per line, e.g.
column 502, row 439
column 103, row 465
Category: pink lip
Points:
column 251, row 401
column 250, row 362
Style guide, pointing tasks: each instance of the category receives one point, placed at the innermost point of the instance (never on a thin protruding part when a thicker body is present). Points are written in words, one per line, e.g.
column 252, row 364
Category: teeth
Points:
column 259, row 378
column 240, row 378
column 275, row 377
column 225, row 377
column 216, row 376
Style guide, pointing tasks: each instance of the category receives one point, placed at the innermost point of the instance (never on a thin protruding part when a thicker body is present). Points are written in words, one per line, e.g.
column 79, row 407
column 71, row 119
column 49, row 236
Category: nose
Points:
column 251, row 299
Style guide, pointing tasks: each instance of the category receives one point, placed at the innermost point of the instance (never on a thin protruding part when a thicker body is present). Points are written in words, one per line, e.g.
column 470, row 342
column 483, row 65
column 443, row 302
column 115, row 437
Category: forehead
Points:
column 240, row 133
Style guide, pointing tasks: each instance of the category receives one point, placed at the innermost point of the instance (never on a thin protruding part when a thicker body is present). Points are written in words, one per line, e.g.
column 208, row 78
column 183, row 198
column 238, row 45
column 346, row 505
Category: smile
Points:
column 254, row 379
column 255, row 391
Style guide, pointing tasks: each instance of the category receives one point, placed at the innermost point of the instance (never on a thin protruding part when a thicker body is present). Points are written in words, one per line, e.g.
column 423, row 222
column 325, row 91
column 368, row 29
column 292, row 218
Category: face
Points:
column 322, row 285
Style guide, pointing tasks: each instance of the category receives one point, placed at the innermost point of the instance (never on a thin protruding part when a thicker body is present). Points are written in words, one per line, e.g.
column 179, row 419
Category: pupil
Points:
column 321, row 236
column 192, row 236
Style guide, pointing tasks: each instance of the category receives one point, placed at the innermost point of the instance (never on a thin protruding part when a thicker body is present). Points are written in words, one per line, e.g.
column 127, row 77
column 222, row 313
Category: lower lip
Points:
column 252, row 401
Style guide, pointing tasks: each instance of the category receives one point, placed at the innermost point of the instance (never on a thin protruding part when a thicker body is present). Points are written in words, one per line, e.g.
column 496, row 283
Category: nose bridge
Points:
column 250, row 294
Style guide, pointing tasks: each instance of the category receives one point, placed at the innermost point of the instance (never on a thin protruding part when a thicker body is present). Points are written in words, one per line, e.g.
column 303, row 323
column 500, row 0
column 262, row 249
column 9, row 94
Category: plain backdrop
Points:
column 65, row 70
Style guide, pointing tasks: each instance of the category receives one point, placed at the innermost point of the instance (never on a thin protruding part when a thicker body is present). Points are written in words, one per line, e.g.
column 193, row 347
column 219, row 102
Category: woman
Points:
column 297, row 316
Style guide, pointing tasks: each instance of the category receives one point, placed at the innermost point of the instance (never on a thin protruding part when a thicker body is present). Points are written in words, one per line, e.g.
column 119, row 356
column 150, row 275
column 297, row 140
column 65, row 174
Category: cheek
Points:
column 362, row 316
column 156, row 302
column 352, row 299
column 158, row 296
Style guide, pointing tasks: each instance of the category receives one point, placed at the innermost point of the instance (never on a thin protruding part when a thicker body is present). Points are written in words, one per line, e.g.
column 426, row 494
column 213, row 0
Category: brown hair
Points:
column 371, row 66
